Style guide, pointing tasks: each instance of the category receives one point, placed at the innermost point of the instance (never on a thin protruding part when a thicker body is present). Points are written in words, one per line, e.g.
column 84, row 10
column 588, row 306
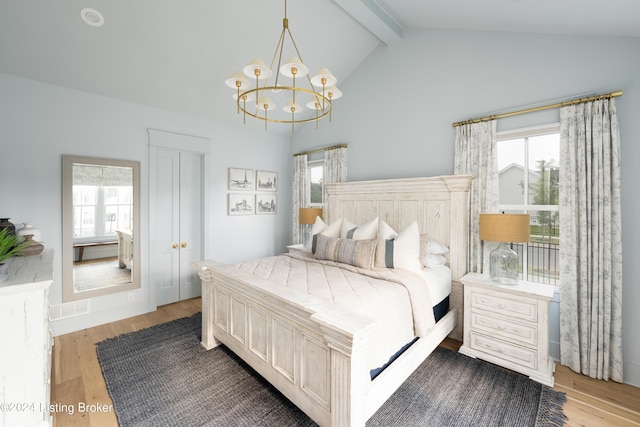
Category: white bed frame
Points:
column 313, row 351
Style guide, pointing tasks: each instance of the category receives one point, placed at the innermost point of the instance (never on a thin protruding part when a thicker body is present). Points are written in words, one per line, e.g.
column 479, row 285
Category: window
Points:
column 102, row 202
column 528, row 172
column 316, row 195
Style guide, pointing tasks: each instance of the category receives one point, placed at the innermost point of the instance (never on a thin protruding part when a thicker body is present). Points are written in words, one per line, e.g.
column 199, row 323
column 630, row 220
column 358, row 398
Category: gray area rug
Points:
column 161, row 376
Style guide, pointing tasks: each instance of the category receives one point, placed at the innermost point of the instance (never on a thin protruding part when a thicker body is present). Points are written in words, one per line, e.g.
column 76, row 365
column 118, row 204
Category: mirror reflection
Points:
column 99, row 211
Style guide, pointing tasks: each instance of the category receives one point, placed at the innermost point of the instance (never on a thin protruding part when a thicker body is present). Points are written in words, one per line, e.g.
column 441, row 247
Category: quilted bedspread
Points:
column 398, row 300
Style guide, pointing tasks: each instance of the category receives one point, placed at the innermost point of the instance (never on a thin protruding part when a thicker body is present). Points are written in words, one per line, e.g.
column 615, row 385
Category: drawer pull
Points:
column 501, row 305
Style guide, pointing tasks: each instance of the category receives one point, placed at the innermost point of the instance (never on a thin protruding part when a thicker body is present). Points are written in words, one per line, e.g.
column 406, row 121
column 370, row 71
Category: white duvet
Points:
column 398, row 300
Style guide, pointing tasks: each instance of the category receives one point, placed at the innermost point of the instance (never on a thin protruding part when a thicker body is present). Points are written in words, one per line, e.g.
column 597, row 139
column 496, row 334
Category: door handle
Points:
column 184, row 245
column 174, row 246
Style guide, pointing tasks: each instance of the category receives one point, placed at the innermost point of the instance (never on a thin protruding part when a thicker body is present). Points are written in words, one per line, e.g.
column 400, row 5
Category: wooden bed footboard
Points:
column 311, row 351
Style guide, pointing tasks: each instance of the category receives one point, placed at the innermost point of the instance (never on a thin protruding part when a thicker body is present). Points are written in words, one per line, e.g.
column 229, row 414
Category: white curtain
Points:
column 476, row 154
column 590, row 240
column 335, row 166
column 301, row 187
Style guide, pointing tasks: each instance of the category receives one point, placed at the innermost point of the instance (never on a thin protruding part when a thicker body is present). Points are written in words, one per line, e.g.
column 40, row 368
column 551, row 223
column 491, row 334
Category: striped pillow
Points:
column 359, row 253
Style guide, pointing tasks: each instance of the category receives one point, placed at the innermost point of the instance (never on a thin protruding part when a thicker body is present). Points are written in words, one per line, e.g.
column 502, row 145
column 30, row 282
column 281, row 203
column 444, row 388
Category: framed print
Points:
column 266, row 204
column 240, row 204
column 266, row 181
column 240, row 179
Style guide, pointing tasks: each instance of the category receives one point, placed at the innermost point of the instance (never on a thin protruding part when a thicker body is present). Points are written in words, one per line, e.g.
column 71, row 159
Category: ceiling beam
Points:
column 373, row 18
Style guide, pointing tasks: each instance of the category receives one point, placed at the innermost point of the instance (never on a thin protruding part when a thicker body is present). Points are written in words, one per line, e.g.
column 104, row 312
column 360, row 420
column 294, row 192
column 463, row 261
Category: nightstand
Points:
column 298, row 249
column 508, row 325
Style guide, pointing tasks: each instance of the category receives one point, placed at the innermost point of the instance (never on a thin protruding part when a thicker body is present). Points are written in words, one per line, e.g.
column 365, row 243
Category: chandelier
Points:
column 254, row 87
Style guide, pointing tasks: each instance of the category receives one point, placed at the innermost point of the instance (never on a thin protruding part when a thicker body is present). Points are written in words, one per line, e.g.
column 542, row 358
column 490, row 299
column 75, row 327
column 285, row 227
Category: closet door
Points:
column 178, row 224
column 190, row 229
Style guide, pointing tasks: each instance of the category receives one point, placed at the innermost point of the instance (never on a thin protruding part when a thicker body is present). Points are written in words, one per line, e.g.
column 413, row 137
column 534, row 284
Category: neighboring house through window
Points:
column 528, row 165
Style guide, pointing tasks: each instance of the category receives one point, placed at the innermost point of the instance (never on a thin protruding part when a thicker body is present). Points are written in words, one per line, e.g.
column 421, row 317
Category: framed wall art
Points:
column 266, row 181
column 240, row 179
column 266, row 203
column 240, row 204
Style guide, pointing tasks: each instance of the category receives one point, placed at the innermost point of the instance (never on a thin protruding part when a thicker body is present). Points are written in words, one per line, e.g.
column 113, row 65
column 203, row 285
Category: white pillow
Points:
column 403, row 251
column 432, row 253
column 385, row 232
column 433, row 260
column 363, row 232
column 346, row 226
column 331, row 230
column 436, row 248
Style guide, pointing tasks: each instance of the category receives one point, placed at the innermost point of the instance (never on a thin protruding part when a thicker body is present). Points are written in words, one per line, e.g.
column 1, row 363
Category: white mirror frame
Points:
column 68, row 290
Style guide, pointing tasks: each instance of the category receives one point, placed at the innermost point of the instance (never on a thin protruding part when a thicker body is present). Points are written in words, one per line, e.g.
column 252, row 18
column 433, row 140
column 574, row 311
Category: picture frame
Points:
column 240, row 204
column 266, row 204
column 240, row 179
column 266, row 181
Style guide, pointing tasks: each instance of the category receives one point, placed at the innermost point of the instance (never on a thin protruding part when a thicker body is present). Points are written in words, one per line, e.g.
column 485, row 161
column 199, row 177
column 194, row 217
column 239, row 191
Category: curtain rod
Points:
column 333, row 147
column 544, row 107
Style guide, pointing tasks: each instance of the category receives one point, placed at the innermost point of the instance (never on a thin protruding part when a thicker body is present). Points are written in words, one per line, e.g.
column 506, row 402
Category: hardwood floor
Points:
column 77, row 378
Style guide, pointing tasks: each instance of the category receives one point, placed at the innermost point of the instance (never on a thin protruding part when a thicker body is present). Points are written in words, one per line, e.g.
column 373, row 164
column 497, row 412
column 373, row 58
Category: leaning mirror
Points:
column 100, row 226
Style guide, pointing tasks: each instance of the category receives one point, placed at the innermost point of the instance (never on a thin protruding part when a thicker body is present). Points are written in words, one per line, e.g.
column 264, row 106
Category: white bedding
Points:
column 397, row 299
column 438, row 281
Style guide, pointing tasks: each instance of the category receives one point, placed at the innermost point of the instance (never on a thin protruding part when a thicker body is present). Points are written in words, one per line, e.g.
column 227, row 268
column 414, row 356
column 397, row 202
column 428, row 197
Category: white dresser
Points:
column 25, row 352
column 508, row 325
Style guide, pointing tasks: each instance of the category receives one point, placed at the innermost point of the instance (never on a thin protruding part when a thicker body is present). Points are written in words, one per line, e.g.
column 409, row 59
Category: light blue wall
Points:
column 399, row 104
column 40, row 122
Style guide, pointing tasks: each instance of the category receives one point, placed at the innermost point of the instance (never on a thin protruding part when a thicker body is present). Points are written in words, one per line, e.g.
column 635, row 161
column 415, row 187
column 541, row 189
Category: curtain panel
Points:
column 476, row 154
column 300, row 196
column 590, row 240
column 335, row 166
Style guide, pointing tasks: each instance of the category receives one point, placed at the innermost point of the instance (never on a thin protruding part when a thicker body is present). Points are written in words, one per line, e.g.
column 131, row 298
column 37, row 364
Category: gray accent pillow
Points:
column 359, row 253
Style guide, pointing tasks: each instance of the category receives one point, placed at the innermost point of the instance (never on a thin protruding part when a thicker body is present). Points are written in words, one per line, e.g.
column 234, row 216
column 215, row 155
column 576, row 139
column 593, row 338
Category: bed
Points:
column 319, row 354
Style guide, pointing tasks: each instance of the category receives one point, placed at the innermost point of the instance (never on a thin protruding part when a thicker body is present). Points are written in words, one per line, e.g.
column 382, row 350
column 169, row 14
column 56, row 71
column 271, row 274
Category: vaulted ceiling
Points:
column 175, row 55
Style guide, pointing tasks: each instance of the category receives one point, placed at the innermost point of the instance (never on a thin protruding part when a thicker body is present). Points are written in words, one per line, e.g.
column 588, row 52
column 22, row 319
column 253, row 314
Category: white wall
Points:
column 399, row 104
column 40, row 122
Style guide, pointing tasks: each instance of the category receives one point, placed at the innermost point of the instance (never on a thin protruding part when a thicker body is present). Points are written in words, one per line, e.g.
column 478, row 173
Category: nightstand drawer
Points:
column 513, row 353
column 510, row 331
column 521, row 308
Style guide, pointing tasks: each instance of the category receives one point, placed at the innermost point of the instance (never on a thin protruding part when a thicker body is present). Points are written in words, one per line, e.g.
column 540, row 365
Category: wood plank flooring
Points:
column 77, row 378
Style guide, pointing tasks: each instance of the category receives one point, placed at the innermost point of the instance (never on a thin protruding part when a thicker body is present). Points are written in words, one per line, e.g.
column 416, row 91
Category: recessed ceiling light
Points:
column 92, row 17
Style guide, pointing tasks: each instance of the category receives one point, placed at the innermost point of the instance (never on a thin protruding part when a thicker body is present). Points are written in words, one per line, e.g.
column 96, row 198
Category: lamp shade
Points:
column 323, row 78
column 294, row 63
column 504, row 227
column 308, row 215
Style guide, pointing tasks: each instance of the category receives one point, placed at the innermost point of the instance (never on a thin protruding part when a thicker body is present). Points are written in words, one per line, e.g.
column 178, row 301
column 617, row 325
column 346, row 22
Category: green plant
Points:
column 10, row 245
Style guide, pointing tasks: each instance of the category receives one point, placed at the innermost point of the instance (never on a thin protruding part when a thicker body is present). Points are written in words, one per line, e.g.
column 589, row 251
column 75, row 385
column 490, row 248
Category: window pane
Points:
column 544, row 152
column 316, row 184
column 511, row 171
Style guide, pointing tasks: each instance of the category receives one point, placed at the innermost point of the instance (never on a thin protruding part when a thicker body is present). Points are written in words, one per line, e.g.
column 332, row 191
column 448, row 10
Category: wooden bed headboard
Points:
column 440, row 204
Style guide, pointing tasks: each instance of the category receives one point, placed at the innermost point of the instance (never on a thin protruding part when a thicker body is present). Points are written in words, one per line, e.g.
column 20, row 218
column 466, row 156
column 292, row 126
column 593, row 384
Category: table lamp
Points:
column 504, row 228
column 307, row 216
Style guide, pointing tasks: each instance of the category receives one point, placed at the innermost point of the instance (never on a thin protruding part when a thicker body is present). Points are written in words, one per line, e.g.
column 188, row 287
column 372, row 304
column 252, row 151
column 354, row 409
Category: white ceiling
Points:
column 175, row 55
